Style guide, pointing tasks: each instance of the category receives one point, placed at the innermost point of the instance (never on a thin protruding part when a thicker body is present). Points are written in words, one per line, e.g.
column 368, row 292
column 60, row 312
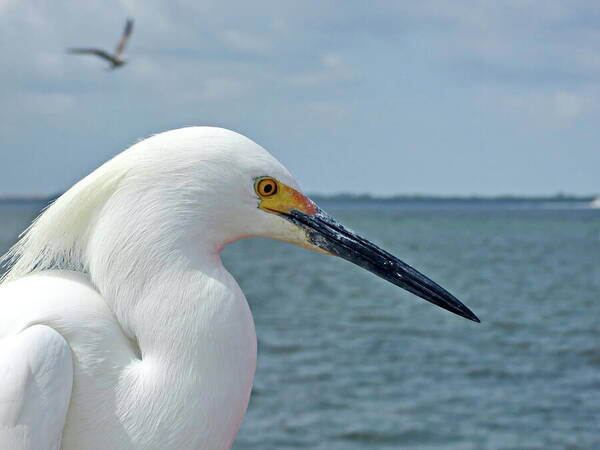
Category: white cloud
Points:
column 20, row 108
column 329, row 109
column 569, row 105
column 188, row 83
column 332, row 69
column 48, row 103
column 546, row 108
column 244, row 42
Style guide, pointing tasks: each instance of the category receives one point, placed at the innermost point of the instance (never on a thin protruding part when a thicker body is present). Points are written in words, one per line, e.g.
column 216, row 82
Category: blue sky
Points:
column 386, row 97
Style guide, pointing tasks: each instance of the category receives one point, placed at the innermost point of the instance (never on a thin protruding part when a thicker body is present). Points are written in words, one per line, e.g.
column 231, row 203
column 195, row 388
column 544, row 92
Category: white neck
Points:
column 197, row 343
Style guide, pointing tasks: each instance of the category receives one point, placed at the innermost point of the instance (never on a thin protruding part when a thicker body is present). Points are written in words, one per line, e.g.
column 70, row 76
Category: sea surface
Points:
column 347, row 361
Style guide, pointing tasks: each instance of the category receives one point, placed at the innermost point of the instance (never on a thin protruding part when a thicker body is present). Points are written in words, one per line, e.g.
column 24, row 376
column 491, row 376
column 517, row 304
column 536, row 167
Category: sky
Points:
column 382, row 97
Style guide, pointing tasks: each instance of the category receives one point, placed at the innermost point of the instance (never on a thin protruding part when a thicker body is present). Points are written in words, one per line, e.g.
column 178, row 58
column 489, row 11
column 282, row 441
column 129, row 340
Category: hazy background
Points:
column 384, row 97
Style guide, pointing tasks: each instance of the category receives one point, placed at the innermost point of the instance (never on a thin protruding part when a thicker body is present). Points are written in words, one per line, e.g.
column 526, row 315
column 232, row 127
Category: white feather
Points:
column 37, row 375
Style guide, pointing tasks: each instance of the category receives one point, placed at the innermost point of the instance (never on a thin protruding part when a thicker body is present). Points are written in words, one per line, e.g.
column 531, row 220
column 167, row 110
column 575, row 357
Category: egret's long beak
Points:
column 328, row 235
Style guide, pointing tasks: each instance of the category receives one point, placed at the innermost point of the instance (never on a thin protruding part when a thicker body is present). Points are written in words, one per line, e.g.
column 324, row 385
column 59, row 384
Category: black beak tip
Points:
column 474, row 318
column 468, row 314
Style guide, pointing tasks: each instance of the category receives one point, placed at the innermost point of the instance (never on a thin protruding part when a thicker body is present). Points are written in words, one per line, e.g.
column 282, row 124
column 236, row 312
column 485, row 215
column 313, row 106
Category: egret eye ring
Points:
column 266, row 187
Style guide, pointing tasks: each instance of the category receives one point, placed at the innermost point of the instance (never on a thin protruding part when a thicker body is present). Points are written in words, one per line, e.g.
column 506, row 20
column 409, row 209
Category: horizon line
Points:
column 350, row 196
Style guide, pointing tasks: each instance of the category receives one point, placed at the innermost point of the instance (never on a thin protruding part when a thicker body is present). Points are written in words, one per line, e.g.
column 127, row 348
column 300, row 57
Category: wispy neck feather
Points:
column 58, row 237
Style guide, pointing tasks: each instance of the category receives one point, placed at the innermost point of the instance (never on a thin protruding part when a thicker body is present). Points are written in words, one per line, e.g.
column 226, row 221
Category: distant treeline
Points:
column 353, row 198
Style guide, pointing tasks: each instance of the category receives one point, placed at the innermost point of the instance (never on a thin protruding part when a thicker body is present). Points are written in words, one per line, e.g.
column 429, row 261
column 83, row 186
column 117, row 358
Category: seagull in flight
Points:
column 116, row 60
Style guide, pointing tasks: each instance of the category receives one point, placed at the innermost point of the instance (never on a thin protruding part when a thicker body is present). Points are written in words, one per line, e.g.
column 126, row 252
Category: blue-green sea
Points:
column 347, row 361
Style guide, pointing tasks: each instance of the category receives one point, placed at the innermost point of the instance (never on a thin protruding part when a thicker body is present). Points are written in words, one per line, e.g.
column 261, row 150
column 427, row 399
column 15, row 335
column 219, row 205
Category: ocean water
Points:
column 348, row 361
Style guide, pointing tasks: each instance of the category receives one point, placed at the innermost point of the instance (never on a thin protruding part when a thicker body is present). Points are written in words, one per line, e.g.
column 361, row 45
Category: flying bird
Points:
column 116, row 60
column 120, row 327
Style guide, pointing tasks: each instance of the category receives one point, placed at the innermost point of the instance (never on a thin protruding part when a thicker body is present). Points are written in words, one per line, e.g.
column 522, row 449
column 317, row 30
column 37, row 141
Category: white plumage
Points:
column 119, row 326
column 37, row 375
column 163, row 342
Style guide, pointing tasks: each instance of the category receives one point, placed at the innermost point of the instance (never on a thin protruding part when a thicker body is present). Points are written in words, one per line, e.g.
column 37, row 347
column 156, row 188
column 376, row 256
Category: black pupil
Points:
column 268, row 188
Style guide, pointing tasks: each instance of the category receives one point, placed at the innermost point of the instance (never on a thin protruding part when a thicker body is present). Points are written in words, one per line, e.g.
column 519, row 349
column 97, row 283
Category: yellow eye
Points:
column 265, row 187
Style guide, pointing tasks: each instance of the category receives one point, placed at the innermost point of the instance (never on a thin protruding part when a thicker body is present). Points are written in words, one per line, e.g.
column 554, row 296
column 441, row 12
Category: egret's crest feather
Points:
column 56, row 238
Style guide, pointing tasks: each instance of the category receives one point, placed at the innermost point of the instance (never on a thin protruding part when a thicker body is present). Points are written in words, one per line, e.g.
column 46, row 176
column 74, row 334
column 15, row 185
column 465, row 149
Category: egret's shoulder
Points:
column 60, row 299
column 51, row 284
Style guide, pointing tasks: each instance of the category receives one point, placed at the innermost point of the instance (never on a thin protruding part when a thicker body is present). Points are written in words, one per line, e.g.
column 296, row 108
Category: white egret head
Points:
column 202, row 186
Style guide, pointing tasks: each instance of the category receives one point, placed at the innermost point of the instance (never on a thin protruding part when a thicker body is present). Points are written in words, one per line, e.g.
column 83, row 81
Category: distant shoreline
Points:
column 423, row 198
column 355, row 198
column 27, row 198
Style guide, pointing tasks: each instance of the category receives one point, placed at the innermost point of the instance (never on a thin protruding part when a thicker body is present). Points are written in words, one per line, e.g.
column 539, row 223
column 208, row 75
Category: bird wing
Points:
column 93, row 51
column 125, row 38
column 36, row 370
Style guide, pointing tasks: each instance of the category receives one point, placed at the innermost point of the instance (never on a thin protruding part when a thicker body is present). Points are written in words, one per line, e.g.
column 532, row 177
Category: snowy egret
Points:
column 119, row 326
